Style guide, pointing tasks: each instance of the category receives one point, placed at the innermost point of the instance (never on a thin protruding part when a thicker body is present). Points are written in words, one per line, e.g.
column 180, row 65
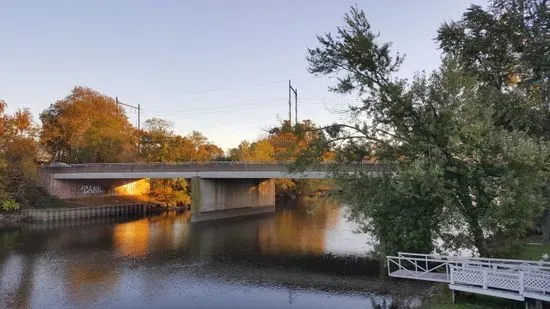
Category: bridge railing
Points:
column 202, row 166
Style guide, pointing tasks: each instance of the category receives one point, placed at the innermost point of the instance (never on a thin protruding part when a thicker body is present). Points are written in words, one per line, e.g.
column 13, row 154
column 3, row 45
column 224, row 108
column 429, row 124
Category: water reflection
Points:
column 299, row 230
column 162, row 260
column 132, row 238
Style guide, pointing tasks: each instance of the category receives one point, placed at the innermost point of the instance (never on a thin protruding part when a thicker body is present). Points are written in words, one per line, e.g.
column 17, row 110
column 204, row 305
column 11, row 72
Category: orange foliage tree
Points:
column 287, row 143
column 87, row 127
column 18, row 157
column 160, row 144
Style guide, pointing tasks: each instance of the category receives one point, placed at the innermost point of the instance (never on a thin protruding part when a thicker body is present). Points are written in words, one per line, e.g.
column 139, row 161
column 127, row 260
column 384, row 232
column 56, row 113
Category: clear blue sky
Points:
column 220, row 67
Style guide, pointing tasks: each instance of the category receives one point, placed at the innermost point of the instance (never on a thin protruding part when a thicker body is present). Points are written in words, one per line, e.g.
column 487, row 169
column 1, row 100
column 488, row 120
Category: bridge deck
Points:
column 196, row 169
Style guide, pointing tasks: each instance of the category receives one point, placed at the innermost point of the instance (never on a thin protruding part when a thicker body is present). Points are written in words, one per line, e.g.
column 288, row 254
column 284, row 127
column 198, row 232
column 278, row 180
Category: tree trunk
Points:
column 479, row 239
column 546, row 226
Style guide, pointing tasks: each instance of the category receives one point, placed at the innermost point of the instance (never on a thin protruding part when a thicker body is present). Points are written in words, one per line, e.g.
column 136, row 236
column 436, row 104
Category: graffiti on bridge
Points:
column 91, row 190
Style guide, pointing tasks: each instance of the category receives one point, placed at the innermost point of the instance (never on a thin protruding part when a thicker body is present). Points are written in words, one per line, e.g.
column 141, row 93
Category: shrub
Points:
column 9, row 205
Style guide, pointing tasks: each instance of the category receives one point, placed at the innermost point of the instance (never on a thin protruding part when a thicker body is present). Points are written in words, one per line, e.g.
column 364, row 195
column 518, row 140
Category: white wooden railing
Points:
column 483, row 275
column 488, row 278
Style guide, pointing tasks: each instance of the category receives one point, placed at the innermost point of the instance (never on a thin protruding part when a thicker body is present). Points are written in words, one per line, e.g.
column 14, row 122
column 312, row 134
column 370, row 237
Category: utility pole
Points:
column 138, row 108
column 290, row 91
column 139, row 117
column 289, row 104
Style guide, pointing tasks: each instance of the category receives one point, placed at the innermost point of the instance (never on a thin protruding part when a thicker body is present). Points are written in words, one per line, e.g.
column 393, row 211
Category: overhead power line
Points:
column 210, row 111
column 221, row 107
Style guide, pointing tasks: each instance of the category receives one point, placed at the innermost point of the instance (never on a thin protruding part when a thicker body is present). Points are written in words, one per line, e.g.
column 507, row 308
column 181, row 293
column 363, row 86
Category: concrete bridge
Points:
column 219, row 189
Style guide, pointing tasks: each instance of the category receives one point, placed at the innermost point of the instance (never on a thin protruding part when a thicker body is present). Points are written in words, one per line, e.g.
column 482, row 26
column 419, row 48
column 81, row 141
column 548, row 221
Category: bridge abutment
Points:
column 219, row 198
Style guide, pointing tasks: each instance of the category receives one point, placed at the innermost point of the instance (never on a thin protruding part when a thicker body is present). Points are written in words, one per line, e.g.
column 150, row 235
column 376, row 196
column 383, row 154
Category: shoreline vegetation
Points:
column 15, row 218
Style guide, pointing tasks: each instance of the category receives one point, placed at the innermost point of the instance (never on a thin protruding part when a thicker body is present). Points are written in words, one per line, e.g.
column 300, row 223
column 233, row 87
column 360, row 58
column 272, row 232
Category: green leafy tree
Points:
column 156, row 141
column 507, row 46
column 457, row 175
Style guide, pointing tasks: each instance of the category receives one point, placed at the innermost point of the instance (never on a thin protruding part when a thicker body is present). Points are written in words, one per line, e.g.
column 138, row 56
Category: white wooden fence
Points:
column 512, row 279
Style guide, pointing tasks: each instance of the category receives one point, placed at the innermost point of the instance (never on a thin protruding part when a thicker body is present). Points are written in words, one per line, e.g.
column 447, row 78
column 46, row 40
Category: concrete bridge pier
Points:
column 219, row 198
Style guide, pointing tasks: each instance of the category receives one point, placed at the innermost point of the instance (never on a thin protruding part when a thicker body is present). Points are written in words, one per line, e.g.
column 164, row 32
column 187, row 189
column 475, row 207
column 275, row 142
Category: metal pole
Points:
column 289, row 104
column 296, row 105
column 139, row 117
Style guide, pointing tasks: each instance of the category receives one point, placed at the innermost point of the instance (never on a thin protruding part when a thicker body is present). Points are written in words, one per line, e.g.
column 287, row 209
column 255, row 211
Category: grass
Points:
column 443, row 300
column 533, row 251
column 530, row 250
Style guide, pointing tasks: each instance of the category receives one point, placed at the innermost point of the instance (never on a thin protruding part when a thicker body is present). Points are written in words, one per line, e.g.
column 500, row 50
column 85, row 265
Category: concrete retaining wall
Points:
column 58, row 214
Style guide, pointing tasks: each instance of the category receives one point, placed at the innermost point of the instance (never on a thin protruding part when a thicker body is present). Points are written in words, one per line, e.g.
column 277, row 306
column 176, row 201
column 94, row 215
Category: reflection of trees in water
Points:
column 169, row 230
column 132, row 239
column 299, row 231
column 138, row 238
column 19, row 294
column 89, row 280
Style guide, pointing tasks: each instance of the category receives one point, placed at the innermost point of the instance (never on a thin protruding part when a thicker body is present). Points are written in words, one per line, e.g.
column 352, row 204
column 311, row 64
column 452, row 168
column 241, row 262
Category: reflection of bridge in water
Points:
column 219, row 189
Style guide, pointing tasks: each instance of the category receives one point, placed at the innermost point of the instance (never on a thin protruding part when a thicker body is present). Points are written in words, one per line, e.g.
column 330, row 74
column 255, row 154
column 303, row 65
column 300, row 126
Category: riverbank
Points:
column 442, row 299
column 86, row 207
column 8, row 220
column 530, row 249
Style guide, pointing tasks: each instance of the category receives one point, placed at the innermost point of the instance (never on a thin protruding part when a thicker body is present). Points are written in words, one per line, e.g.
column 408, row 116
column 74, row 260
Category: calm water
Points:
column 303, row 256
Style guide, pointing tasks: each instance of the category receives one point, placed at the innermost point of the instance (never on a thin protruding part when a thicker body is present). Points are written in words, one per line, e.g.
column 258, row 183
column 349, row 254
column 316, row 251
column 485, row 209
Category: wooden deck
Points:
column 420, row 275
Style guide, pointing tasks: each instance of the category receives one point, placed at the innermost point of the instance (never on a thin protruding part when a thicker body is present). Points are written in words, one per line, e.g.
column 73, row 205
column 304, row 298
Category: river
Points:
column 306, row 255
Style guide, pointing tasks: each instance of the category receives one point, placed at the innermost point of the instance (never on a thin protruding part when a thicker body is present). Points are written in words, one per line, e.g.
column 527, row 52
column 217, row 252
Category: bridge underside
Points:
column 219, row 189
column 214, row 199
column 81, row 188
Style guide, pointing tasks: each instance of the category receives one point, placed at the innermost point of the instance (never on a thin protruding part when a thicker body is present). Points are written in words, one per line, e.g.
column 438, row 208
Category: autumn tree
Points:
column 160, row 144
column 203, row 149
column 286, row 143
column 260, row 151
column 18, row 162
column 458, row 174
column 87, row 127
column 290, row 142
